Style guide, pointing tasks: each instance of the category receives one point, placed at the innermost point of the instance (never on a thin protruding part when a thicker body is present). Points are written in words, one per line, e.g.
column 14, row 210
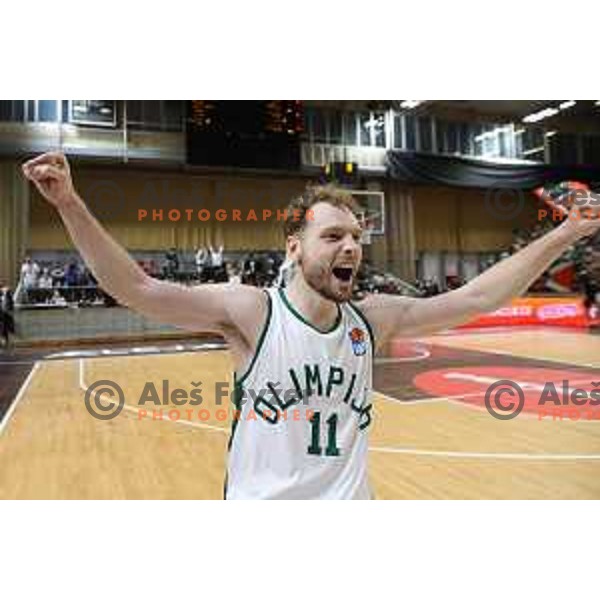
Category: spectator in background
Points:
column 71, row 282
column 45, row 286
column 233, row 275
column 153, row 269
column 250, row 274
column 589, row 287
column 216, row 257
column 218, row 272
column 433, row 287
column 58, row 299
column 88, row 287
column 7, row 321
column 58, row 275
column 201, row 262
column 274, row 263
column 172, row 267
column 30, row 271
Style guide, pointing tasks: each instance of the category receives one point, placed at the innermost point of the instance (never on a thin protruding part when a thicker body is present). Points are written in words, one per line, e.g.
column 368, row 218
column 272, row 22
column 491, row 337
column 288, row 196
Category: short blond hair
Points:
column 331, row 194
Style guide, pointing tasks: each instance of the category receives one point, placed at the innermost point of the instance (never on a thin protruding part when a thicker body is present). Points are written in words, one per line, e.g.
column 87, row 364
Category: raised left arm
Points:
column 392, row 316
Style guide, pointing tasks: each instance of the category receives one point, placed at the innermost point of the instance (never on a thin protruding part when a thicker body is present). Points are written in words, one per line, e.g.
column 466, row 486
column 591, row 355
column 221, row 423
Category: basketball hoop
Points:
column 372, row 210
column 367, row 231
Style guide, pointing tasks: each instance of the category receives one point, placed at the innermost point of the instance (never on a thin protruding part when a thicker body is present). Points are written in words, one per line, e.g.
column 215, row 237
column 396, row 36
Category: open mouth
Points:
column 343, row 273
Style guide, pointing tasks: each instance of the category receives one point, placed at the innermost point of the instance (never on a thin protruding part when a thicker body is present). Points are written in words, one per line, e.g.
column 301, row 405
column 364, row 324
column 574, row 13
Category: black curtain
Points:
column 411, row 167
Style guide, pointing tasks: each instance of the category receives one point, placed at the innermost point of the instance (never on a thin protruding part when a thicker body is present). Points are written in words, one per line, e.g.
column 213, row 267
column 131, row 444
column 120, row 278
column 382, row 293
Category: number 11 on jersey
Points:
column 315, row 435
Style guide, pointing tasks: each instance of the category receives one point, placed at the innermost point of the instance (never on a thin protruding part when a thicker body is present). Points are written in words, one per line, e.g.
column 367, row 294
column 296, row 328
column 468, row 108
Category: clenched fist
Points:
column 52, row 177
column 573, row 202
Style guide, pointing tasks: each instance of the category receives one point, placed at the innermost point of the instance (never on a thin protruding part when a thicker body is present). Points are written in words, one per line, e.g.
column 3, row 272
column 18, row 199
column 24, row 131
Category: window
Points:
column 464, row 138
column 411, row 138
column 530, row 143
column 452, row 137
column 12, row 110
column 365, row 130
column 492, row 140
column 155, row 115
column 378, row 129
column 439, row 143
column 518, row 142
column 372, row 129
column 349, row 128
column 477, row 131
column 397, row 142
column 6, row 110
column 425, row 141
column 316, row 126
column 335, row 127
column 47, row 110
column 504, row 136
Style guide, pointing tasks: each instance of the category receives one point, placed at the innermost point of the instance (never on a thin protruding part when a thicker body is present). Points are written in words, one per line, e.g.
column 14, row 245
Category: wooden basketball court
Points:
column 423, row 445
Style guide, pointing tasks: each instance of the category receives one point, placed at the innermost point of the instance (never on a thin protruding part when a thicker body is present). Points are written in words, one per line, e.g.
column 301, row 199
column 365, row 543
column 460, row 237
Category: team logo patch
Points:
column 359, row 345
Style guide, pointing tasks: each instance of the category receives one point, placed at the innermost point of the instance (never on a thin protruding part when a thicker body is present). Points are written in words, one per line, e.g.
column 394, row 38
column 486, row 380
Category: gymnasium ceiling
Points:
column 517, row 109
column 584, row 113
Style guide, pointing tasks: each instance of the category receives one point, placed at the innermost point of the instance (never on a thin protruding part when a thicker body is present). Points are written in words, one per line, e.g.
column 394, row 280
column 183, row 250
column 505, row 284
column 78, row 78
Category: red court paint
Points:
column 473, row 382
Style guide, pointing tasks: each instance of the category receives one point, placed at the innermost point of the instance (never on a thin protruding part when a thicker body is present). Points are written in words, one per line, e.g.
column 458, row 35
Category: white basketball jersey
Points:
column 304, row 409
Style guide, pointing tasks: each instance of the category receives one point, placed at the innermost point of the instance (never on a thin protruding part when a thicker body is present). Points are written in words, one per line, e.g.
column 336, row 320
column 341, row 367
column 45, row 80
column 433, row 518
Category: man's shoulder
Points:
column 375, row 302
column 245, row 304
column 382, row 311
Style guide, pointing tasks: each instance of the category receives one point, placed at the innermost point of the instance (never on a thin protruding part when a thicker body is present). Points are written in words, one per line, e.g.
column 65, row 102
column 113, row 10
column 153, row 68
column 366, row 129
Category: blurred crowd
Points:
column 55, row 283
column 576, row 271
column 70, row 282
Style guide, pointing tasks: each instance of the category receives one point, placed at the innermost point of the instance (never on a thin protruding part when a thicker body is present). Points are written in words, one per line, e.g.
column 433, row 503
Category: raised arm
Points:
column 398, row 316
column 215, row 308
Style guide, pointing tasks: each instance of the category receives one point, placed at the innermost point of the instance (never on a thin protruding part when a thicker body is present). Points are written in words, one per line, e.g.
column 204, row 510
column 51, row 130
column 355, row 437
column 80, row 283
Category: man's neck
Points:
column 319, row 311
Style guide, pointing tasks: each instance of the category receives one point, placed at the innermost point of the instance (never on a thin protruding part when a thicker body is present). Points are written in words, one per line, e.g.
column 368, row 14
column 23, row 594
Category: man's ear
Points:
column 292, row 246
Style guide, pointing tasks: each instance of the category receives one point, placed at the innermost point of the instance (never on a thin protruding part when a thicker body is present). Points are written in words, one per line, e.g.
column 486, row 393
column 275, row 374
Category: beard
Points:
column 324, row 282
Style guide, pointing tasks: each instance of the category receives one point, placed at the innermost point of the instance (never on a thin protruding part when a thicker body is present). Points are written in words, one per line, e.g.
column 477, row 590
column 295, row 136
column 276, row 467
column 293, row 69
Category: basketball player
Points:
column 305, row 351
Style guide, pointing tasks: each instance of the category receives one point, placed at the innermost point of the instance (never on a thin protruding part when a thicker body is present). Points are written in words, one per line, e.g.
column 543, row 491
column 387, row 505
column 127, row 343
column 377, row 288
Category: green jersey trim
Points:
column 260, row 342
column 291, row 308
column 237, row 397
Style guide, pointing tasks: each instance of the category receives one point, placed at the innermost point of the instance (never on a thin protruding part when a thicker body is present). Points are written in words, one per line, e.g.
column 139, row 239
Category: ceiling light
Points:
column 542, row 114
column 408, row 104
column 566, row 104
column 533, row 151
column 548, row 112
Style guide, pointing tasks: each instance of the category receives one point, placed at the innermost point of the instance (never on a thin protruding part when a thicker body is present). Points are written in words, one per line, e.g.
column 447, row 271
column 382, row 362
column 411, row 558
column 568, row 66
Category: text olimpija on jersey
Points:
column 307, row 384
